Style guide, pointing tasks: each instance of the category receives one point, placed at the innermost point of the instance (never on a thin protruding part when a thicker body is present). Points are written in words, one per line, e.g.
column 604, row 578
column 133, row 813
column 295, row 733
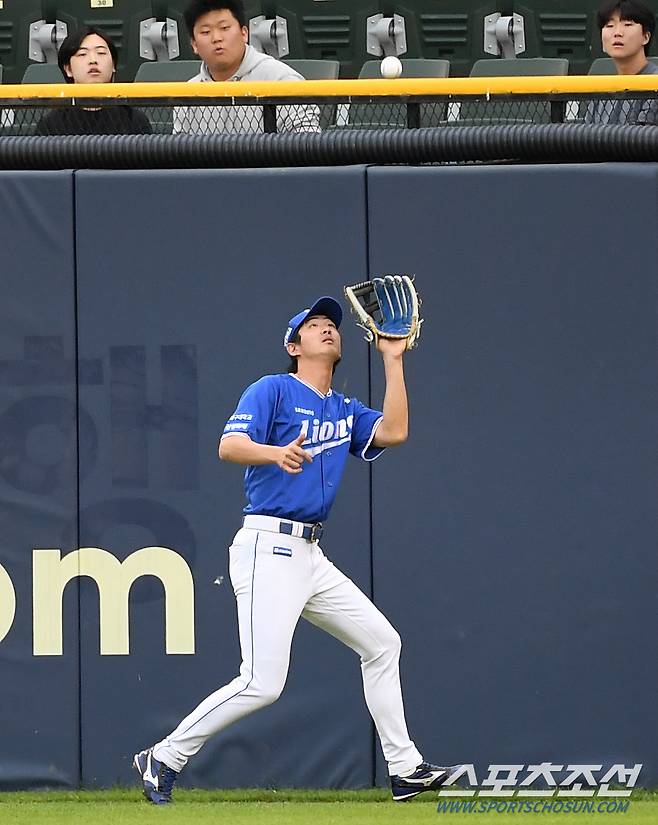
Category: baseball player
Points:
column 294, row 433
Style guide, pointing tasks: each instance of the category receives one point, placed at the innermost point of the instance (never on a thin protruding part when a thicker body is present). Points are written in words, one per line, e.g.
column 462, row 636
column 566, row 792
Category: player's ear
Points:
column 293, row 349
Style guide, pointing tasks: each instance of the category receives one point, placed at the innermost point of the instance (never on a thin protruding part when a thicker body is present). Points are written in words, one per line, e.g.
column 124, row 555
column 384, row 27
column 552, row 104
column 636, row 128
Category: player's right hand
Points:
column 292, row 456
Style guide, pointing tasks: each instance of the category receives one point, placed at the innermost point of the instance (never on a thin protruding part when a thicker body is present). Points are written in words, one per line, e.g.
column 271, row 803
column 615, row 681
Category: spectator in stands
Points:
column 627, row 28
column 89, row 56
column 218, row 32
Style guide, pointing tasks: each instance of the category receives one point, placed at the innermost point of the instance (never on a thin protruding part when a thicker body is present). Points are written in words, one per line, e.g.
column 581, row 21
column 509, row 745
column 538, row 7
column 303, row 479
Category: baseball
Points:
column 391, row 67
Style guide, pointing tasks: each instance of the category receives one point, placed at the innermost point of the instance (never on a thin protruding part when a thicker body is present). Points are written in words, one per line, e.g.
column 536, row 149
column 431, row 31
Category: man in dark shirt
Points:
column 627, row 28
column 89, row 56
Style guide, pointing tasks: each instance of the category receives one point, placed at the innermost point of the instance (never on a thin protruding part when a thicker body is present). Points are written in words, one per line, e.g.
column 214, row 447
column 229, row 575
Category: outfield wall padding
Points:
column 511, row 541
column 202, row 272
column 39, row 695
column 529, row 542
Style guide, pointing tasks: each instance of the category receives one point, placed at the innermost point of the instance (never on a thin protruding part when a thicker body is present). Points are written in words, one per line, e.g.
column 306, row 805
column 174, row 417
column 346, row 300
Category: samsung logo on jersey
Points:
column 304, row 412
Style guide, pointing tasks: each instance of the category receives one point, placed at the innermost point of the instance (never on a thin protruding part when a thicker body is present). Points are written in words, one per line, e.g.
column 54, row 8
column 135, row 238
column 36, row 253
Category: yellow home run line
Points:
column 458, row 86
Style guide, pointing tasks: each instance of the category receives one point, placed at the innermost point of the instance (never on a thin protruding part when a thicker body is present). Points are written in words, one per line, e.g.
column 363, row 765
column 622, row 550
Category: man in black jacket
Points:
column 89, row 56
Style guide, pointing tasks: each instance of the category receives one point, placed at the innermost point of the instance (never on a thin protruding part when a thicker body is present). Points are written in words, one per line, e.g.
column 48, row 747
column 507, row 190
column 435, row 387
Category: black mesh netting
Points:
column 238, row 118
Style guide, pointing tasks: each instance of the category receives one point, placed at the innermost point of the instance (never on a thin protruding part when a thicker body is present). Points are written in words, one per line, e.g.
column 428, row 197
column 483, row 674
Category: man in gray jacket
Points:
column 218, row 32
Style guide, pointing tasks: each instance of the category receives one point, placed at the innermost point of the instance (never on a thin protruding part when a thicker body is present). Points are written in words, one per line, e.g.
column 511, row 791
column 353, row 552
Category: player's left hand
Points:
column 394, row 347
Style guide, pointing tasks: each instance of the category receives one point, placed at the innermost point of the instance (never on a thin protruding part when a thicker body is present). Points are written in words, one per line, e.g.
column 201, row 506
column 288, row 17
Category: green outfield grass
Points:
column 127, row 807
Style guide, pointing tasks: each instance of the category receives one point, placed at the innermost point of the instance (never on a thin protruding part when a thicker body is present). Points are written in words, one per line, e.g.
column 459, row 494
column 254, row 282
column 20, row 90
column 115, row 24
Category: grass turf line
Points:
column 297, row 807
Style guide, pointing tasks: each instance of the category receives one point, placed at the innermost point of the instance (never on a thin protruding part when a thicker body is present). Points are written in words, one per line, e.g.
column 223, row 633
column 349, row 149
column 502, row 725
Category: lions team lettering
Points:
column 326, row 434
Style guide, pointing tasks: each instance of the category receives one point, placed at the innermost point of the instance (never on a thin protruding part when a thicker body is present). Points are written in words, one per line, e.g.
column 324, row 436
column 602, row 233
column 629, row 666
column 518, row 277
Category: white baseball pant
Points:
column 278, row 578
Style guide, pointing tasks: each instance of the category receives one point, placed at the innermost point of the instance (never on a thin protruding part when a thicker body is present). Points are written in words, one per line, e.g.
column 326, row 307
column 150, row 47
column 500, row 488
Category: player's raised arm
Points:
column 394, row 428
column 388, row 310
column 242, row 450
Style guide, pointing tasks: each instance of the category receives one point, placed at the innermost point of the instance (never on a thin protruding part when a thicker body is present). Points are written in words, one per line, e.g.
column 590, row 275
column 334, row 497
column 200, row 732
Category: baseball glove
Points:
column 387, row 308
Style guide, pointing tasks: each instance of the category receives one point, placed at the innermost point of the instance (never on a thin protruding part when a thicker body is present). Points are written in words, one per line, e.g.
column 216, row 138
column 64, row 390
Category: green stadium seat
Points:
column 560, row 28
column 520, row 67
column 509, row 111
column 606, row 65
column 177, row 70
column 378, row 115
column 411, row 67
column 43, row 73
column 319, row 70
column 315, row 69
column 167, row 71
column 25, row 120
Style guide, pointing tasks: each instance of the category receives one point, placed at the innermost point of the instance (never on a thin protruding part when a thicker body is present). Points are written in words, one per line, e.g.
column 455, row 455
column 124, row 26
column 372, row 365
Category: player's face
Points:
column 92, row 63
column 319, row 337
column 623, row 38
column 219, row 40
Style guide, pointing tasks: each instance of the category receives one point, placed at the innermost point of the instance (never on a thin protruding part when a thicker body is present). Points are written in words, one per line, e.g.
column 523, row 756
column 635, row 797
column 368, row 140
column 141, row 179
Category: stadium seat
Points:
column 315, row 69
column 509, row 111
column 319, row 70
column 43, row 73
column 25, row 120
column 167, row 71
column 561, row 29
column 411, row 67
column 378, row 115
column 606, row 65
column 173, row 70
column 520, row 67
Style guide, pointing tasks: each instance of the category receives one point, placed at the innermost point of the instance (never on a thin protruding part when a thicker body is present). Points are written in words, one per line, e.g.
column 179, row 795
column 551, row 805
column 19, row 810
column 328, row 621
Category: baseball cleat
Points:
column 426, row 777
column 158, row 779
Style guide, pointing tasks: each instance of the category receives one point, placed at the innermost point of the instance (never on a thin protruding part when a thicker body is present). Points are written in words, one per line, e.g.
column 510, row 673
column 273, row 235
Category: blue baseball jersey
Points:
column 274, row 410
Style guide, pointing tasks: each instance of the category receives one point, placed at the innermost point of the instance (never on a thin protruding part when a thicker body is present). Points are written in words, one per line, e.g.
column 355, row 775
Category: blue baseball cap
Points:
column 323, row 306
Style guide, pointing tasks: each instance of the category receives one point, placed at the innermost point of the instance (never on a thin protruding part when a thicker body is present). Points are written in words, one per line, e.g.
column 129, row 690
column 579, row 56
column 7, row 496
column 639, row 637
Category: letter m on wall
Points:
column 51, row 573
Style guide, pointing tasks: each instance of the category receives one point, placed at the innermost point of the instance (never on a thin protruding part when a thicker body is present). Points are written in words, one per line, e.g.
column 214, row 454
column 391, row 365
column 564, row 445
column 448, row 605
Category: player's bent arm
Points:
column 394, row 428
column 240, row 449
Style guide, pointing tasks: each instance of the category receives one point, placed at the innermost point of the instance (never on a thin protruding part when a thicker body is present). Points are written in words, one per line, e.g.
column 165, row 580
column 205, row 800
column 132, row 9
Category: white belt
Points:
column 299, row 529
